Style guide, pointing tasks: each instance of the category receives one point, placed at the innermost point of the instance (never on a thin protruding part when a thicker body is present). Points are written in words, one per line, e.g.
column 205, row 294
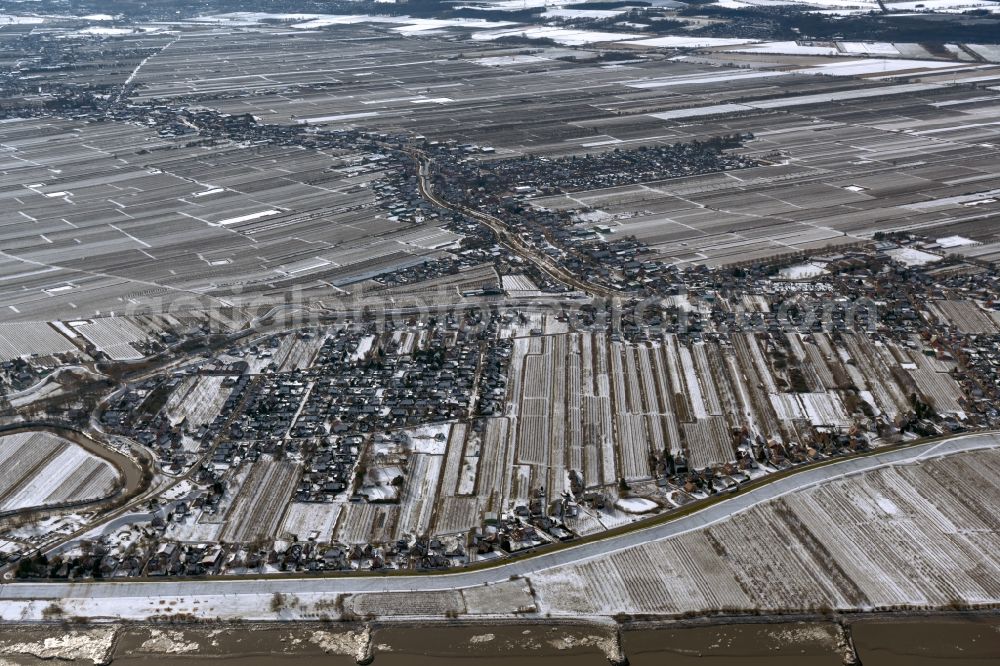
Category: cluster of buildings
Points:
column 361, row 383
column 543, row 175
column 18, row 374
column 506, row 188
column 147, row 554
column 138, row 412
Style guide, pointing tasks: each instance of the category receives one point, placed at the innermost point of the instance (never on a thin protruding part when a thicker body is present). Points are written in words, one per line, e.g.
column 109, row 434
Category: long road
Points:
column 374, row 582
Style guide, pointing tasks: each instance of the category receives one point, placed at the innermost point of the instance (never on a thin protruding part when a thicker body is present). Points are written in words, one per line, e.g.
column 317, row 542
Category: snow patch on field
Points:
column 247, row 218
column 789, row 48
column 407, row 25
column 338, row 117
column 678, row 42
column 431, row 439
column 10, row 19
column 304, row 518
column 364, row 346
column 821, row 6
column 565, row 36
column 110, row 32
column 887, row 505
column 875, row 66
column 636, row 505
column 801, row 271
column 803, row 100
column 583, row 13
column 955, row 241
column 910, row 256
column 945, row 6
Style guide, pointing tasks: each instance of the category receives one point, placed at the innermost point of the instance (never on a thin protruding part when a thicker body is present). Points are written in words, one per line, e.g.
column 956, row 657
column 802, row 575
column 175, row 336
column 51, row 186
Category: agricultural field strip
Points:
column 198, row 401
column 453, row 460
column 835, row 552
column 417, row 503
column 602, row 389
column 114, row 336
column 492, row 472
column 22, row 455
column 708, row 441
column 24, row 339
column 966, row 316
column 591, row 458
column 645, row 381
column 555, row 561
column 301, row 518
column 262, row 501
column 629, row 436
column 557, row 347
column 45, row 469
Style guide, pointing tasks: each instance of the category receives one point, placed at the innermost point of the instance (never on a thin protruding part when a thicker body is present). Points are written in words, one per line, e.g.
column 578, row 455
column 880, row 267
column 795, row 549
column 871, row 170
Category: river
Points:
column 940, row 640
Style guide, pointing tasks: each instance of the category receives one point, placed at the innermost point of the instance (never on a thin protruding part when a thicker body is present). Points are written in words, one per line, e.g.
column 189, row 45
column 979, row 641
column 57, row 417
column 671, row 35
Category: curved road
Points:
column 506, row 237
column 355, row 583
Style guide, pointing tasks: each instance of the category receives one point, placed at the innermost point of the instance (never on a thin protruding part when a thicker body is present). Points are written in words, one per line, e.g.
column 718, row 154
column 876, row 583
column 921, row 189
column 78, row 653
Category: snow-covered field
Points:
column 302, row 519
column 869, row 48
column 825, row 6
column 197, row 400
column 956, row 6
column 636, row 505
column 989, row 51
column 40, row 469
column 260, row 504
column 896, row 536
column 819, row 409
column 955, row 241
column 25, row 339
column 685, row 42
column 115, row 336
column 567, row 36
column 790, row 48
column 876, row 66
column 431, row 439
column 801, row 271
column 519, row 284
column 12, row 19
column 912, row 256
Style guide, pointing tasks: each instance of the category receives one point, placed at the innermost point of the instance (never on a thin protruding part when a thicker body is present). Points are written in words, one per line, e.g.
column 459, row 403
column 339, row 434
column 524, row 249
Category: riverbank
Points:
column 925, row 639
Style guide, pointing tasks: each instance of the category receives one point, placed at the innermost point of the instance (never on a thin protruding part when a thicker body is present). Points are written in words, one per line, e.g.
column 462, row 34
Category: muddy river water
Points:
column 945, row 641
